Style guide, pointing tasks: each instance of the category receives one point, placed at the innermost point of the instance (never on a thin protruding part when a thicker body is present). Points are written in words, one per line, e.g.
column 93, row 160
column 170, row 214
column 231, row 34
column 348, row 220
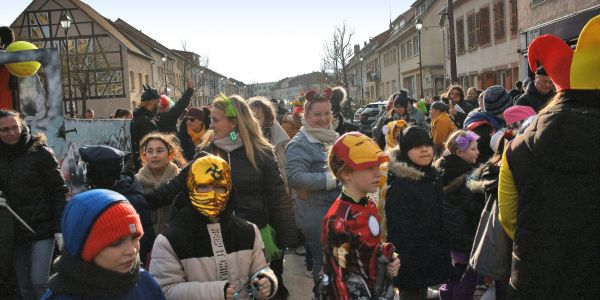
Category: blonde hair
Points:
column 452, row 145
column 250, row 132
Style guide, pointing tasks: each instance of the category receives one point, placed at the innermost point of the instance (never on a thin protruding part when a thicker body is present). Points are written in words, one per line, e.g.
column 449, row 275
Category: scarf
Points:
column 76, row 277
column 227, row 145
column 326, row 136
column 146, row 177
column 196, row 136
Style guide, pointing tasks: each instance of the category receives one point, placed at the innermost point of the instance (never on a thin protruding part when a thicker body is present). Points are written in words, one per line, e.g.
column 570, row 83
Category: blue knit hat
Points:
column 496, row 100
column 81, row 213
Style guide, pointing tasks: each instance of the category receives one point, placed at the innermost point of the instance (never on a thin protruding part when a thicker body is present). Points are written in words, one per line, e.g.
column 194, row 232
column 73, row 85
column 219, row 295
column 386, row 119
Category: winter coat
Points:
column 33, row 186
column 341, row 126
column 167, row 121
column 460, row 117
column 533, row 98
column 277, row 136
column 141, row 124
column 555, row 166
column 441, row 128
column 127, row 187
column 146, row 180
column 413, row 209
column 184, row 262
column 462, row 208
column 419, row 118
column 484, row 125
column 261, row 197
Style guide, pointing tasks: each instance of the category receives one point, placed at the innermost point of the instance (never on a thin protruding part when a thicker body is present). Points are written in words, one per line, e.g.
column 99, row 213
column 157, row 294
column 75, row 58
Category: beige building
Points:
column 486, row 40
column 290, row 87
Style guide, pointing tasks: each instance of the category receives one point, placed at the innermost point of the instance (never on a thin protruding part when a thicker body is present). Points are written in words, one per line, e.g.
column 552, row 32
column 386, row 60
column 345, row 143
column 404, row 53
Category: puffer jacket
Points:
column 413, row 208
column 184, row 262
column 533, row 98
column 33, row 186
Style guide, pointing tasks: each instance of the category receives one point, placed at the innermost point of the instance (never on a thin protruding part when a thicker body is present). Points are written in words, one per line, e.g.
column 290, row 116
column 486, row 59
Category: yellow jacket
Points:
column 441, row 128
column 508, row 199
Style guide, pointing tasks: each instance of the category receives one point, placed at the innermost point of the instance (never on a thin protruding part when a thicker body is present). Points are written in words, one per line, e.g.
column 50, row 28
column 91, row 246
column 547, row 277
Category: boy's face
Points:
column 120, row 256
column 363, row 181
column 433, row 113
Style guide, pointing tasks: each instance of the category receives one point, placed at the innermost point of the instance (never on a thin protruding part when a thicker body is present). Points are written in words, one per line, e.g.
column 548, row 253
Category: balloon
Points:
column 22, row 69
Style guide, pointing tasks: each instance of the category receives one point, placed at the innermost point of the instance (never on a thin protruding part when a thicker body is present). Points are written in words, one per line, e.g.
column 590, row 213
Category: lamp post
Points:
column 419, row 26
column 362, row 92
column 164, row 60
column 202, row 85
column 65, row 23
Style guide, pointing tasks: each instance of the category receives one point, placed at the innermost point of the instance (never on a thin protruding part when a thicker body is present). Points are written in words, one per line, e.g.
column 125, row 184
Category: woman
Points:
column 397, row 109
column 314, row 187
column 261, row 196
column 459, row 108
column 161, row 158
column 461, row 211
column 193, row 131
column 33, row 187
column 413, row 207
column 264, row 112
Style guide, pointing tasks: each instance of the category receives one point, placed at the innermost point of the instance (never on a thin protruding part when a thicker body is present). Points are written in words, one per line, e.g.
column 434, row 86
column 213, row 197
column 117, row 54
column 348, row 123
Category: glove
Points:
column 2, row 200
column 59, row 240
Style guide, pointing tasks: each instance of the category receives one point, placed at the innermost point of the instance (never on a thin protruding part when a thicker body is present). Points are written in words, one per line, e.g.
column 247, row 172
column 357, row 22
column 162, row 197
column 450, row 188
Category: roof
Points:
column 141, row 38
column 375, row 43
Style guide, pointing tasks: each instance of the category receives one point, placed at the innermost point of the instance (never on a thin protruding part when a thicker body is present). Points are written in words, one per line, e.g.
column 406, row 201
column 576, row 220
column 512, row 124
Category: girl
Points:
column 161, row 158
column 461, row 210
column 193, row 131
column 100, row 259
column 207, row 252
column 351, row 234
column 414, row 215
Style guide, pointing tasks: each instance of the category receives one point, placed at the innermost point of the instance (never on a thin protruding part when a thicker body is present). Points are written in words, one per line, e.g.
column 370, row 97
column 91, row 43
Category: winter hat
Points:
column 401, row 99
column 149, row 94
column 413, row 137
column 95, row 219
column 496, row 100
column 390, row 129
column 195, row 112
column 517, row 113
column 358, row 151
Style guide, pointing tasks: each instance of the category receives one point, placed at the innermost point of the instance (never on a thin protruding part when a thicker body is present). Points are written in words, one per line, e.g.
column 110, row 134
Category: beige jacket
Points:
column 160, row 217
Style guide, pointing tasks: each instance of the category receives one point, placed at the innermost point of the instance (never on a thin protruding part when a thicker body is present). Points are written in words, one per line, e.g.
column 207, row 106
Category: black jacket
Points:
column 343, row 126
column 462, row 208
column 186, row 143
column 33, row 186
column 141, row 124
column 556, row 166
column 413, row 208
column 533, row 98
column 460, row 117
column 167, row 121
column 127, row 187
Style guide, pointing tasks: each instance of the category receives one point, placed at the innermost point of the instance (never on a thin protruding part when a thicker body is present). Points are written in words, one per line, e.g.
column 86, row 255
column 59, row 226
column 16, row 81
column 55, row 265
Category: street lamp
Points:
column 419, row 26
column 164, row 60
column 362, row 92
column 65, row 23
column 202, row 85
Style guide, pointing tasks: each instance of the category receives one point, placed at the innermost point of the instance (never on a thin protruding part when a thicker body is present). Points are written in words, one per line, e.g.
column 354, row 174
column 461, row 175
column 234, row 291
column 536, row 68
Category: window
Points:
column 132, row 80
column 140, row 81
column 147, row 80
column 403, row 51
column 499, row 24
column 394, row 88
column 409, row 49
column 514, row 21
column 472, row 30
column 484, row 26
column 460, row 35
column 38, row 25
column 416, row 45
column 421, row 7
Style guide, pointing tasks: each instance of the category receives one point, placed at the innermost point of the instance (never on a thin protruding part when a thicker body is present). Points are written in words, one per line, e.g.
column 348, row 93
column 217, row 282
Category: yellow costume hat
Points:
column 358, row 151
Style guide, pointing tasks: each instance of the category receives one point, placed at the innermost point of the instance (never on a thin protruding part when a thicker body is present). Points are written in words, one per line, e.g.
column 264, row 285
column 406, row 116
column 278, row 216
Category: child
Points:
column 413, row 208
column 441, row 124
column 206, row 252
column 355, row 259
column 160, row 155
column 100, row 258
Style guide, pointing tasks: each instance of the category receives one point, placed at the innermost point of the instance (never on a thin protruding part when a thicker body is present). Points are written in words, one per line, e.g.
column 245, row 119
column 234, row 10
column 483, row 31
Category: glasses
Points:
column 9, row 129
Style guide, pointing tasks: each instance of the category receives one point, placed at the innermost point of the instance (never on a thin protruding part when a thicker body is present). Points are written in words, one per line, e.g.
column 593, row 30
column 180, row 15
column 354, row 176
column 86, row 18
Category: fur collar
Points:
column 40, row 141
column 455, row 184
column 402, row 169
column 146, row 178
column 475, row 181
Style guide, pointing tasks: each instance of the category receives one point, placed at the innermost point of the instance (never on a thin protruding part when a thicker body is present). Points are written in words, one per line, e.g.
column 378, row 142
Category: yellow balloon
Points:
column 22, row 69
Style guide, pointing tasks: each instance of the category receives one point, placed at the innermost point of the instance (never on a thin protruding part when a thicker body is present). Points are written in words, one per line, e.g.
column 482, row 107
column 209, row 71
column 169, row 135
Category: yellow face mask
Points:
column 209, row 185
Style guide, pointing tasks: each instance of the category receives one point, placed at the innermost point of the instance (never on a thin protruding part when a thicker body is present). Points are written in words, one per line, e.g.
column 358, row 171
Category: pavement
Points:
column 298, row 283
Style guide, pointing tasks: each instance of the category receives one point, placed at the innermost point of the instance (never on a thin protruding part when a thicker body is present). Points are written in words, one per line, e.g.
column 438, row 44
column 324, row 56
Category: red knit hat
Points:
column 118, row 221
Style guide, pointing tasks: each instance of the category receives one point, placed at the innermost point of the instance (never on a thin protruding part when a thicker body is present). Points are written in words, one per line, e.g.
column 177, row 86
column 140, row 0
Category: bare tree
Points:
column 338, row 53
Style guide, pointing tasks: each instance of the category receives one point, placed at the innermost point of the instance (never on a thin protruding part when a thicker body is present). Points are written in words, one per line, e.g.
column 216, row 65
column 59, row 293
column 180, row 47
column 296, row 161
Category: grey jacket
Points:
column 307, row 171
column 420, row 118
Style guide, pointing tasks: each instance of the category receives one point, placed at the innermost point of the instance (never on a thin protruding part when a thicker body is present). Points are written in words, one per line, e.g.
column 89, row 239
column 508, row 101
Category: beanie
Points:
column 401, row 99
column 518, row 113
column 118, row 221
column 149, row 94
column 195, row 112
column 413, row 137
column 496, row 100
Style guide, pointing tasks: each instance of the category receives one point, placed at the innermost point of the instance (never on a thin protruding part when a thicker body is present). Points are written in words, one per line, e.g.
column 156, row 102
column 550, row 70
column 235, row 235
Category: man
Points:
column 517, row 91
column 89, row 114
column 539, row 93
column 143, row 121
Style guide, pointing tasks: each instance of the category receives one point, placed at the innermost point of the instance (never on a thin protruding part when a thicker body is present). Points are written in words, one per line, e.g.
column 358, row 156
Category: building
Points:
column 261, row 89
column 486, row 41
column 371, row 68
column 563, row 18
column 290, row 87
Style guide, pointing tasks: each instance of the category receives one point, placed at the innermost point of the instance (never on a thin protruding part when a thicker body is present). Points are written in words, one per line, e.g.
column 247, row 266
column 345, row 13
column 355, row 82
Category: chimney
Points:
column 365, row 44
column 356, row 49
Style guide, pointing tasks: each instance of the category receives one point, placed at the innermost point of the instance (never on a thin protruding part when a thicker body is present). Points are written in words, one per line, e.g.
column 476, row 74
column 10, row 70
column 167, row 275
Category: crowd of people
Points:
column 212, row 198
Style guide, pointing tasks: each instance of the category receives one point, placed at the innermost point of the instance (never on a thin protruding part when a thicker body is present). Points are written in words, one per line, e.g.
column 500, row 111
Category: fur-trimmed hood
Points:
column 39, row 140
column 474, row 181
column 402, row 169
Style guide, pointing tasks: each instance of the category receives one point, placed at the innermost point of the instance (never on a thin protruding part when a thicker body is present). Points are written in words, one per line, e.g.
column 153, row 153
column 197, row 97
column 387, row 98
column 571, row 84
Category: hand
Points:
column 230, row 292
column 189, row 84
column 264, row 287
column 2, row 200
column 393, row 267
column 59, row 240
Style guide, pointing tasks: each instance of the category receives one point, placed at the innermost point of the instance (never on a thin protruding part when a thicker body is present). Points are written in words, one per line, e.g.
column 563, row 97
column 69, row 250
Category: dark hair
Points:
column 519, row 84
column 121, row 113
column 401, row 98
column 170, row 141
column 338, row 96
column 266, row 107
column 8, row 112
column 441, row 106
column 459, row 89
column 103, row 176
column 7, row 36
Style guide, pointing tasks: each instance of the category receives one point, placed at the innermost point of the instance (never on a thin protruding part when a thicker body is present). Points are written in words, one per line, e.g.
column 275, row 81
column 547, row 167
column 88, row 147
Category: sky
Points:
column 252, row 40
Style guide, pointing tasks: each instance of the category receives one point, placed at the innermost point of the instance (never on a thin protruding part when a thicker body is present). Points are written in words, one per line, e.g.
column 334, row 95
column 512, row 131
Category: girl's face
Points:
column 120, row 256
column 157, row 155
column 194, row 124
column 454, row 95
column 10, row 130
column 319, row 115
column 363, row 181
column 470, row 155
column 400, row 110
column 220, row 124
column 259, row 115
column 421, row 156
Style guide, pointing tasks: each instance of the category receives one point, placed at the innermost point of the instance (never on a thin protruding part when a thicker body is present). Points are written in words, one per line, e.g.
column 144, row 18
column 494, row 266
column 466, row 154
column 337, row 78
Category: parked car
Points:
column 356, row 120
column 369, row 115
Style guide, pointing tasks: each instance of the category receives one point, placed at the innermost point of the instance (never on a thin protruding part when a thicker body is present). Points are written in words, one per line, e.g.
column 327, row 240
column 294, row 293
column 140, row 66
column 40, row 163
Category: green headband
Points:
column 229, row 109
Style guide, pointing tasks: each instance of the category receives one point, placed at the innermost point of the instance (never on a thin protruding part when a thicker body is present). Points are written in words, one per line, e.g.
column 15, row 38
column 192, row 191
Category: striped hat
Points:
column 496, row 100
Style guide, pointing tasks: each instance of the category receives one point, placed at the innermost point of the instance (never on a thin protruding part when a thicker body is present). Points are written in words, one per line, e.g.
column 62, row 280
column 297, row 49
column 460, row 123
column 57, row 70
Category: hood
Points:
column 566, row 137
column 484, row 179
column 454, row 171
column 401, row 169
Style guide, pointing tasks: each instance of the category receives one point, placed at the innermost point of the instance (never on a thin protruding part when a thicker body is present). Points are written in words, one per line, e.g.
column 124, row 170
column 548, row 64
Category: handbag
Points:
column 491, row 254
